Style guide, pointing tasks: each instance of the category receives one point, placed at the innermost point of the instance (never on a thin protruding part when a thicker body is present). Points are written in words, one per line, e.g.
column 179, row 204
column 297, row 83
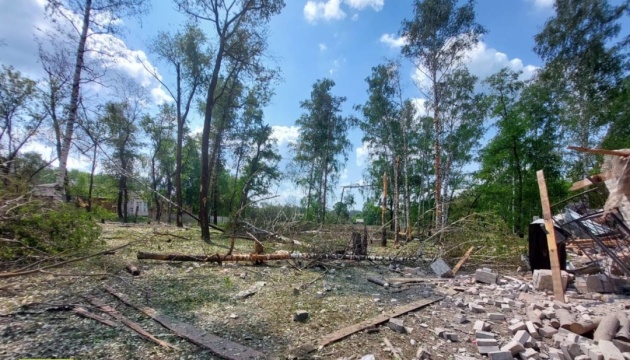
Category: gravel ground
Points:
column 335, row 294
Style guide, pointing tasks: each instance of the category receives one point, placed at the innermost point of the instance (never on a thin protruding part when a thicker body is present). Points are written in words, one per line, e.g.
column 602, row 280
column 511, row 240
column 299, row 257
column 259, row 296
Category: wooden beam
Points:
column 556, row 276
column 463, row 260
column 598, row 151
column 590, row 180
column 223, row 348
column 347, row 331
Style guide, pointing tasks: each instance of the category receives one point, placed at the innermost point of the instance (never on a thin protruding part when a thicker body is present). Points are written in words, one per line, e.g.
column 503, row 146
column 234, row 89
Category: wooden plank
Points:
column 223, row 348
column 590, row 180
column 349, row 330
column 556, row 276
column 132, row 325
column 402, row 280
column 463, row 260
column 86, row 314
column 598, row 151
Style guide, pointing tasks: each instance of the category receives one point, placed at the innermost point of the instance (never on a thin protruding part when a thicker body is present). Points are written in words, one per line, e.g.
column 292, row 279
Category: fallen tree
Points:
column 268, row 257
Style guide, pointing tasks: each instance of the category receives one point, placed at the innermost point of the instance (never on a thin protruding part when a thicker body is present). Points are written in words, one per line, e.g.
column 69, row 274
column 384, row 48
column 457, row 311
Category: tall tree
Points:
column 463, row 113
column 583, row 67
column 322, row 146
column 19, row 121
column 239, row 33
column 438, row 37
column 122, row 119
column 526, row 140
column 159, row 131
column 90, row 24
column 382, row 126
column 185, row 51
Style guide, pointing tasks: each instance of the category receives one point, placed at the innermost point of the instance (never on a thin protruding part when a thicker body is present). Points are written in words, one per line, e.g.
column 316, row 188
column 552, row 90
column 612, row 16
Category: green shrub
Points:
column 36, row 228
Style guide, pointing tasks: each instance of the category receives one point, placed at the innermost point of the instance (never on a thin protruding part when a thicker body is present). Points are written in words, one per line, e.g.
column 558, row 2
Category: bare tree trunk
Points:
column 178, row 153
column 74, row 99
column 396, row 201
column 437, row 156
column 91, row 186
column 204, row 220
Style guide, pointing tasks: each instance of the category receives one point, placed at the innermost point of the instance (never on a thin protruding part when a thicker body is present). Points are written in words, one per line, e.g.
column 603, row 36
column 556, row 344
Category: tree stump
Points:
column 357, row 243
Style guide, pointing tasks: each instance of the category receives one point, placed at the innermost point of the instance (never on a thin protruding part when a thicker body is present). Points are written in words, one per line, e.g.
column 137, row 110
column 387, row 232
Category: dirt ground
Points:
column 36, row 323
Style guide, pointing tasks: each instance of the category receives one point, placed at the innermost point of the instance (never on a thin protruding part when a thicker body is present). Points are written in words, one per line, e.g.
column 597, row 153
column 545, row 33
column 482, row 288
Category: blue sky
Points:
column 340, row 39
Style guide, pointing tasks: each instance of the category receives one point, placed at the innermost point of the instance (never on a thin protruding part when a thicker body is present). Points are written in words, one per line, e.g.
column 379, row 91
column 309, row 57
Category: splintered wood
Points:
column 556, row 276
column 132, row 325
column 347, row 331
column 223, row 348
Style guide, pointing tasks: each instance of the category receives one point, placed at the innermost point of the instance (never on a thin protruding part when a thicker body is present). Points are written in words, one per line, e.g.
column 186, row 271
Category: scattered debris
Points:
column 221, row 347
column 251, row 291
column 300, row 315
column 347, row 331
column 132, row 325
column 132, row 269
column 441, row 269
column 377, row 281
column 462, row 260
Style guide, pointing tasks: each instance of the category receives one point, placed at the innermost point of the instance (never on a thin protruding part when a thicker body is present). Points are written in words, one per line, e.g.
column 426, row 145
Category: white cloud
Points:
column 421, row 106
column 542, row 4
column 75, row 160
column 24, row 19
column 329, row 10
column 392, row 41
column 322, row 47
column 285, row 134
column 483, row 61
column 362, row 153
column 377, row 5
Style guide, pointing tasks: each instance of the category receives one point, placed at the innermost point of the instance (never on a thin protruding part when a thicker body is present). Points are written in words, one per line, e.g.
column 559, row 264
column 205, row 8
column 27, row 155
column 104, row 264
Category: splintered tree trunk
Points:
column 357, row 244
column 384, row 211
column 437, row 160
column 73, row 107
column 396, row 202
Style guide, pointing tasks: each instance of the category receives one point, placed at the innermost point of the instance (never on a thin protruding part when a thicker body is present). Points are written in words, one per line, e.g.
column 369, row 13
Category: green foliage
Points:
column 583, row 67
column 37, row 228
column 322, row 147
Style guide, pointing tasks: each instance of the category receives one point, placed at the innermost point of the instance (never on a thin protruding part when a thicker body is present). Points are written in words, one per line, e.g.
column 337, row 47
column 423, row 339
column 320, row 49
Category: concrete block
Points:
column 547, row 331
column 532, row 329
column 582, row 357
column 300, row 315
column 506, row 308
column 516, row 327
column 460, row 318
column 514, row 347
column 397, row 325
column 599, row 283
column 496, row 316
column 481, row 325
column 485, row 350
column 441, row 269
column 541, row 279
column 485, row 276
column 500, row 355
column 522, row 336
column 487, row 342
column 484, row 335
column 476, row 308
column 626, row 355
column 451, row 336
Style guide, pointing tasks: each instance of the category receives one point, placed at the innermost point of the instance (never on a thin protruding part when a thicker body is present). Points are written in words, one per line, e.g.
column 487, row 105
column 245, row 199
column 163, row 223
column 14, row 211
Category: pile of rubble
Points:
column 508, row 317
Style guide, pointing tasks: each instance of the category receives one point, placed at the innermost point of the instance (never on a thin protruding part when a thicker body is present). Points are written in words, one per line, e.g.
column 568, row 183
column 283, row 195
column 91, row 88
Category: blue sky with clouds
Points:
column 340, row 39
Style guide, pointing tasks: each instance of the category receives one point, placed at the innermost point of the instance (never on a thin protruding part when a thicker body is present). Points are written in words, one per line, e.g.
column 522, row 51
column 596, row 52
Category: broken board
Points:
column 347, row 331
column 463, row 260
column 552, row 246
column 223, row 348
